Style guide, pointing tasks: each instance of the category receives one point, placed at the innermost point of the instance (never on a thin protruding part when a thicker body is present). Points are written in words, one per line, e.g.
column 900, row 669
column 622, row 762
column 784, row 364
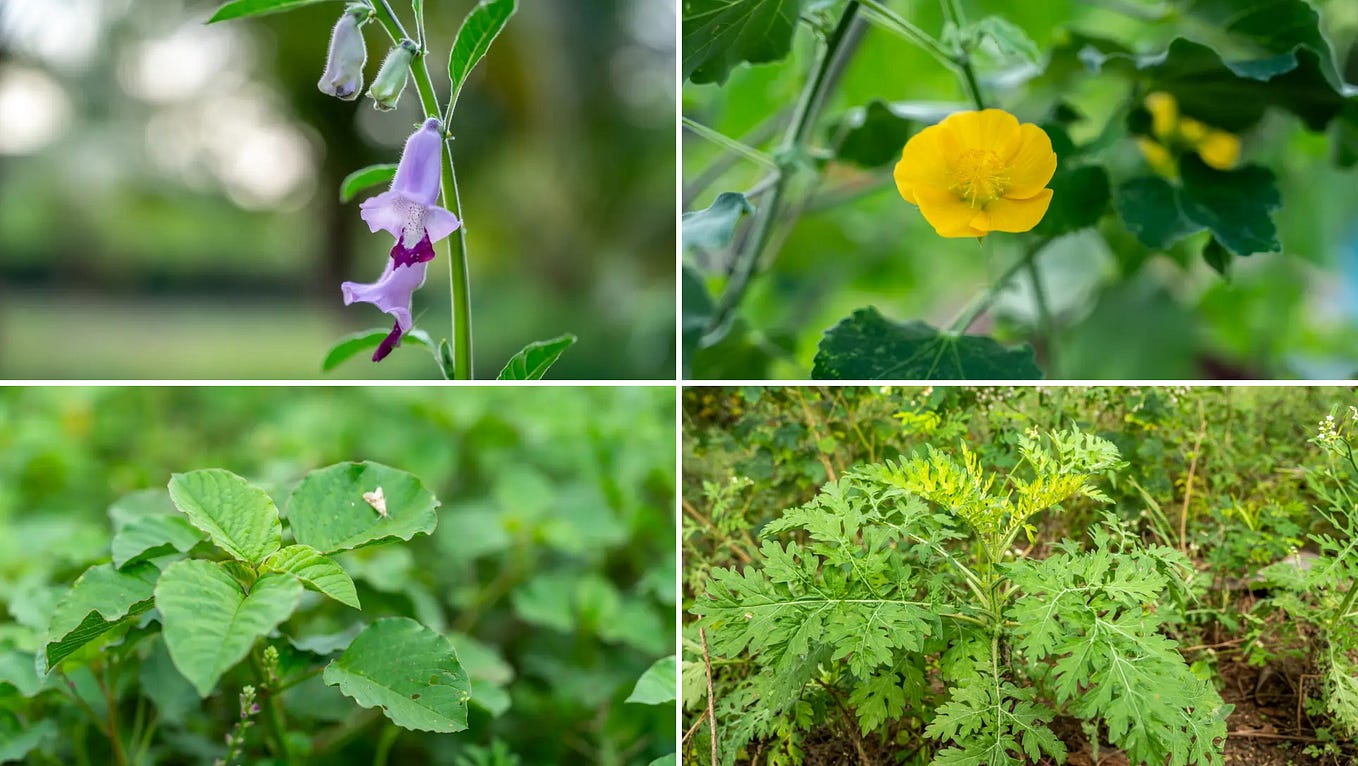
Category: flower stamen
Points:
column 982, row 177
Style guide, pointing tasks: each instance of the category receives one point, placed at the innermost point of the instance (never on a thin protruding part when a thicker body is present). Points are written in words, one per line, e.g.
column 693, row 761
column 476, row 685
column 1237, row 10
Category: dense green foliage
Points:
column 848, row 548
column 508, row 601
column 1206, row 220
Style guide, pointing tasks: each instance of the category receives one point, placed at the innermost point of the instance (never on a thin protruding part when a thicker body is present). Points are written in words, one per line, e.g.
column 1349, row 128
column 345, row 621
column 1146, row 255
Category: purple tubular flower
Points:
column 408, row 212
column 343, row 77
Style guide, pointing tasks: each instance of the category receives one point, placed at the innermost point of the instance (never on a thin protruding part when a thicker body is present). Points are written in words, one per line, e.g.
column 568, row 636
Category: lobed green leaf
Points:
column 867, row 346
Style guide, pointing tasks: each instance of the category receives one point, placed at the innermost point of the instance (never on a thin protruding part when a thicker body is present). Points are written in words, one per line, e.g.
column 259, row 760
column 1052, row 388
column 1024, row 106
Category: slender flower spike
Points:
column 410, row 213
column 343, row 77
column 978, row 172
column 391, row 78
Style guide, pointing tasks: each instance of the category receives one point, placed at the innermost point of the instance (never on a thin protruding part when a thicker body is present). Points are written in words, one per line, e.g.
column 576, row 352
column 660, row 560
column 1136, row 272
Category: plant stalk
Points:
column 831, row 63
column 459, row 275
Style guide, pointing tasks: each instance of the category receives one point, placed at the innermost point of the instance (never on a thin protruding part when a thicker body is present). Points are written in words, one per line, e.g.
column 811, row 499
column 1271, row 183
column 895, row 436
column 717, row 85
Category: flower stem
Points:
column 730, row 144
column 832, row 60
column 459, row 276
column 982, row 303
column 1046, row 325
column 952, row 11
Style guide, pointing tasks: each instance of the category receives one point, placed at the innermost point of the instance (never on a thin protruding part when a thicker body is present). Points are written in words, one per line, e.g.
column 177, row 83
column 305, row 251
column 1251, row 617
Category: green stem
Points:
column 110, row 702
column 384, row 744
column 891, row 21
column 459, row 276
column 1046, row 325
column 982, row 303
column 952, row 10
column 831, row 62
column 730, row 144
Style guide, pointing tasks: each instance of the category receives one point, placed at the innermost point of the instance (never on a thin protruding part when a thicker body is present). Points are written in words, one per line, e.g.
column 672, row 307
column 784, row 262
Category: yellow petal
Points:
column 1164, row 113
column 1013, row 215
column 1220, row 150
column 947, row 213
column 993, row 129
column 1158, row 157
column 1192, row 131
column 921, row 164
column 1032, row 165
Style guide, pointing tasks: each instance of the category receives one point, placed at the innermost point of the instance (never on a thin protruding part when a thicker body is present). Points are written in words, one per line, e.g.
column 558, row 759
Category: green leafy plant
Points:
column 903, row 570
column 1178, row 130
column 1318, row 593
column 211, row 581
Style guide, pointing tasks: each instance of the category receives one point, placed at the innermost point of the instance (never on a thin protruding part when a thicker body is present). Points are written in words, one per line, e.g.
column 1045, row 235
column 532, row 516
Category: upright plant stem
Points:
column 831, row 62
column 459, row 276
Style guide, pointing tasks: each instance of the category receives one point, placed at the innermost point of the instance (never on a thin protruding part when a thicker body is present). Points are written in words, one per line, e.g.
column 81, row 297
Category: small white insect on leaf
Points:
column 378, row 501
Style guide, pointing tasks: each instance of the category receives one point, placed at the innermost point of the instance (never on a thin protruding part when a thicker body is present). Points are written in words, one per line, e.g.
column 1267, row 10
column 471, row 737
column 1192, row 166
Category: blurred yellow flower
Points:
column 1173, row 132
column 978, row 172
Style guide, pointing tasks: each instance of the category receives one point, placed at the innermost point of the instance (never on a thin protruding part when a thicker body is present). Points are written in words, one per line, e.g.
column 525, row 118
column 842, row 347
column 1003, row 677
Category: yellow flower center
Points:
column 980, row 176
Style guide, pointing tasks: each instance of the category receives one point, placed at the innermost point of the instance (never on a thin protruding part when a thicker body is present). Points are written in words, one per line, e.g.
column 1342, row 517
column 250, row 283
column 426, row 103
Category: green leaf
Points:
column 490, row 674
column 18, row 670
column 316, row 571
column 352, row 345
column 536, row 358
column 1150, row 209
column 100, row 600
column 151, row 535
column 1234, row 95
column 1235, row 205
column 1079, row 198
column 874, row 136
column 658, row 684
column 241, row 8
column 867, row 346
column 328, row 512
column 713, row 227
column 445, row 359
column 474, row 37
column 720, row 34
column 17, row 740
column 409, row 671
column 1010, row 39
column 665, row 760
column 240, row 518
column 365, row 178
column 210, row 623
column 698, row 309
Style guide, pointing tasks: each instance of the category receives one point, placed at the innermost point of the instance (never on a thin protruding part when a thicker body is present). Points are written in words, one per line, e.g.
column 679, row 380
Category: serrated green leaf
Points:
column 867, row 346
column 240, row 518
column 100, row 600
column 658, row 684
column 876, row 700
column 713, row 227
column 365, row 178
column 151, row 535
column 242, row 8
column 352, row 345
column 474, row 38
column 409, row 671
column 536, row 358
column 209, row 621
column 316, row 571
column 328, row 512
column 720, row 34
column 873, row 136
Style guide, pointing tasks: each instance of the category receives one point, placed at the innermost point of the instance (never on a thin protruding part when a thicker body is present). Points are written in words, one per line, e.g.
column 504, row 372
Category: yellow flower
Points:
column 1217, row 148
column 978, row 172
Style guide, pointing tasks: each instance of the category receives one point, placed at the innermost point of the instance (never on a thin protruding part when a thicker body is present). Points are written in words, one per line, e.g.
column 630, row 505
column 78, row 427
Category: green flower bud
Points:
column 391, row 78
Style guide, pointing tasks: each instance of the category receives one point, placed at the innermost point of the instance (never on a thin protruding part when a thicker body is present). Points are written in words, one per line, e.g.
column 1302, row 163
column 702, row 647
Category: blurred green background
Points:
column 168, row 190
column 1124, row 311
column 527, row 529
